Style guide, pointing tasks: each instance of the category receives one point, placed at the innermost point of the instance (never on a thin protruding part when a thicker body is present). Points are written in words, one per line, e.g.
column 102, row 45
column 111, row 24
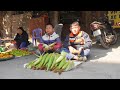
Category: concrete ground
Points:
column 102, row 64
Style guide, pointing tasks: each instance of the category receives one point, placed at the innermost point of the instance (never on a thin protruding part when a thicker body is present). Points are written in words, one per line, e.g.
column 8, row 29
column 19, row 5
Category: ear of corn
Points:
column 62, row 63
column 63, row 55
column 29, row 65
column 48, row 46
column 58, row 68
column 47, row 59
column 54, row 62
column 55, row 66
column 32, row 63
column 65, row 65
column 70, row 66
column 51, row 45
column 45, row 45
column 42, row 61
column 38, row 60
column 59, row 59
column 63, row 68
column 50, row 62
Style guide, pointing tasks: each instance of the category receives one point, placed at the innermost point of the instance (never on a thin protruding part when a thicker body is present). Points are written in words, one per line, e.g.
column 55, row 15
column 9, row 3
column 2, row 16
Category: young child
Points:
column 78, row 43
column 50, row 38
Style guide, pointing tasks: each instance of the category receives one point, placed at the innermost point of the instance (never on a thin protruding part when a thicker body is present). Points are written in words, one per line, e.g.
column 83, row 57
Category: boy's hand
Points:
column 45, row 45
column 45, row 49
column 50, row 48
column 80, row 40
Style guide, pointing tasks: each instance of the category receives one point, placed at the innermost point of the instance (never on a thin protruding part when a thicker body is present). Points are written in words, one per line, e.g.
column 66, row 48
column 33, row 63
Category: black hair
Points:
column 75, row 22
column 50, row 24
column 21, row 28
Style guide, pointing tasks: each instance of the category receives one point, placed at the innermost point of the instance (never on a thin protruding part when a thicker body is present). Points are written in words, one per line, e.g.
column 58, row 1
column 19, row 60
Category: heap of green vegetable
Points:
column 2, row 49
column 19, row 52
column 51, row 62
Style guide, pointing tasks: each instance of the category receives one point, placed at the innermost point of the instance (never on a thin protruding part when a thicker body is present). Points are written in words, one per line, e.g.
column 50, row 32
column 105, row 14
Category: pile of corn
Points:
column 2, row 49
column 5, row 55
column 51, row 62
column 19, row 52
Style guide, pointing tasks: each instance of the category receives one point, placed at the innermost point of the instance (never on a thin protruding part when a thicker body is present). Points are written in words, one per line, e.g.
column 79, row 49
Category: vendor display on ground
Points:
column 6, row 56
column 19, row 52
column 52, row 62
column 55, row 62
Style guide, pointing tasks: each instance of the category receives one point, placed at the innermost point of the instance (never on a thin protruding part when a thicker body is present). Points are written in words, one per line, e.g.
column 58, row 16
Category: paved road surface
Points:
column 102, row 64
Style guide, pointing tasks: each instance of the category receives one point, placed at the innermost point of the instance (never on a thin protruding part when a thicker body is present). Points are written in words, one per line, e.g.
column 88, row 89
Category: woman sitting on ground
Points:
column 21, row 39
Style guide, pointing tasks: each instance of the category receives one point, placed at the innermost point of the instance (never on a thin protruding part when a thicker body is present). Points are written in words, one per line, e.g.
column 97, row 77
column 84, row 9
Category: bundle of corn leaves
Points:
column 51, row 62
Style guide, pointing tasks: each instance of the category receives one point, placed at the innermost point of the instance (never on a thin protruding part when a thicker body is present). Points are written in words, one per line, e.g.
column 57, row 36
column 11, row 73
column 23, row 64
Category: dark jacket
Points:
column 22, row 38
column 87, row 45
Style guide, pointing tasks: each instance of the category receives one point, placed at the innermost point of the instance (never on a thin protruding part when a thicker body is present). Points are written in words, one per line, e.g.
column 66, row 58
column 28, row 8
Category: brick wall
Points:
column 38, row 22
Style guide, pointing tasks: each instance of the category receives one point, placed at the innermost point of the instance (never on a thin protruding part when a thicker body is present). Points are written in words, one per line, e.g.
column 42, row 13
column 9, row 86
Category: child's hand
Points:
column 80, row 40
column 45, row 50
column 50, row 48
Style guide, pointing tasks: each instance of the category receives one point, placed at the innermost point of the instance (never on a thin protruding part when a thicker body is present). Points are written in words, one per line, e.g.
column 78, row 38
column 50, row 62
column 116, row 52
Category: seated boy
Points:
column 77, row 43
column 50, row 38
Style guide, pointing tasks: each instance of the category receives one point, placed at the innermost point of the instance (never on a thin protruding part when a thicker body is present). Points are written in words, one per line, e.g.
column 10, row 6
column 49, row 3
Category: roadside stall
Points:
column 56, row 62
column 8, row 51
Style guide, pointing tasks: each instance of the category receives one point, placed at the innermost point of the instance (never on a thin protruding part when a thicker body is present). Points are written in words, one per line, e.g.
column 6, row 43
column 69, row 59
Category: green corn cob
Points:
column 36, row 63
column 63, row 55
column 63, row 68
column 32, row 63
column 52, row 44
column 59, row 67
column 56, row 56
column 70, row 66
column 62, row 63
column 55, row 68
column 42, row 61
column 36, row 55
column 29, row 65
column 45, row 45
column 47, row 59
column 65, row 65
column 53, row 61
column 38, row 60
column 50, row 62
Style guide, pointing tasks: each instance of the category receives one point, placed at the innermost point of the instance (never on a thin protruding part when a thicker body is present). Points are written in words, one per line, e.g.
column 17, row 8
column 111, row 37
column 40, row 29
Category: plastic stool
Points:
column 36, row 35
